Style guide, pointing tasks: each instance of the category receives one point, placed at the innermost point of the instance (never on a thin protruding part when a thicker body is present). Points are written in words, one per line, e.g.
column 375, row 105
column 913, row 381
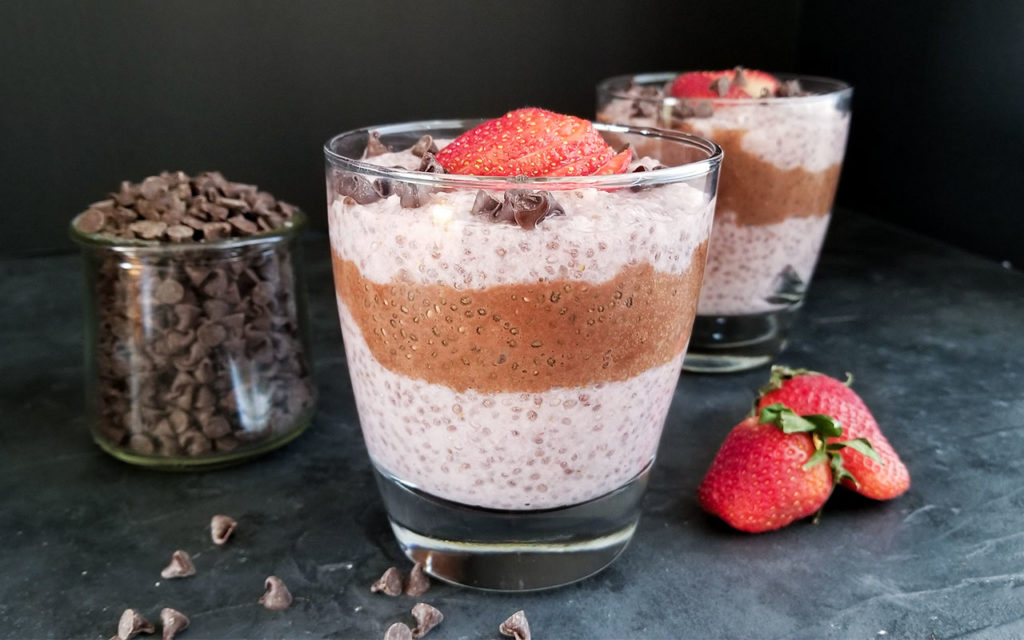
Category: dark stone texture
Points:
column 933, row 335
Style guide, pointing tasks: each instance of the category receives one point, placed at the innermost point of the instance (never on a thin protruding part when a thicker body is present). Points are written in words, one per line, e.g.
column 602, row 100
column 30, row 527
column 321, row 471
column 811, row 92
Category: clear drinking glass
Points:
column 779, row 176
column 512, row 379
column 197, row 353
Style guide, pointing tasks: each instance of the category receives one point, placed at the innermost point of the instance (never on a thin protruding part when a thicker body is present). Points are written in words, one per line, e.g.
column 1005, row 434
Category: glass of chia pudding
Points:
column 784, row 137
column 514, row 341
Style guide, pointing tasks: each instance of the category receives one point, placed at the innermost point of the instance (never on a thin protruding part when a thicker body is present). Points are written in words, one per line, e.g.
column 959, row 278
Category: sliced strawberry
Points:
column 529, row 142
column 735, row 83
column 618, row 164
column 706, row 84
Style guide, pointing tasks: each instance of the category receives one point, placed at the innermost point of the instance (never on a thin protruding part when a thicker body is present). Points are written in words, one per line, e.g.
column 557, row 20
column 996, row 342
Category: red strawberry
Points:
column 757, row 481
column 706, row 84
column 532, row 142
column 810, row 392
column 734, row 83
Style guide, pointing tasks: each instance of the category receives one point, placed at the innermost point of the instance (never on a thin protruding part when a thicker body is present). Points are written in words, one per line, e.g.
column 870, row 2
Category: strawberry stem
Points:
column 820, row 427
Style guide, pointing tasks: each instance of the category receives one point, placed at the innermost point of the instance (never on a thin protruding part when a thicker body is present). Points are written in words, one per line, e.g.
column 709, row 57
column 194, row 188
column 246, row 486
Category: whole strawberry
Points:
column 807, row 392
column 770, row 470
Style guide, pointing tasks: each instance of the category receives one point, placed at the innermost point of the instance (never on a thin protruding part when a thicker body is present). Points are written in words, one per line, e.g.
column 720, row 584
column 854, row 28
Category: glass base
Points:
column 726, row 344
column 500, row 550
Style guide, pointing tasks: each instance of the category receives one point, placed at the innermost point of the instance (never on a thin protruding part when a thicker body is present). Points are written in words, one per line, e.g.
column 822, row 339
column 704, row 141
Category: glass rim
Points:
column 660, row 78
column 290, row 229
column 664, row 175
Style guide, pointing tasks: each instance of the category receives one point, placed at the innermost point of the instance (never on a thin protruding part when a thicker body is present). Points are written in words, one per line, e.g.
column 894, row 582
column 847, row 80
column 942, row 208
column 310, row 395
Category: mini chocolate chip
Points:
column 179, row 421
column 227, row 443
column 140, row 443
column 184, row 401
column 153, row 187
column 692, row 109
column 196, row 353
column 216, row 230
column 232, row 203
column 276, row 596
column 390, row 583
column 204, row 398
column 215, row 211
column 487, row 206
column 516, row 626
column 193, row 222
column 216, row 309
column 216, row 285
column 234, row 323
column 418, row 583
column 204, row 372
column 168, row 445
column 720, row 85
column 182, row 382
column 163, row 429
column 243, row 224
column 263, row 293
column 221, row 528
column 424, row 146
column 529, row 207
column 409, row 195
column 398, row 631
column 132, row 624
column 790, row 88
column 358, row 188
column 374, row 147
column 643, row 109
column 195, row 443
column 178, row 341
column 173, row 622
column 211, row 334
column 641, row 168
column 431, row 165
column 148, row 229
column 186, row 315
column 216, row 427
column 181, row 566
column 260, row 349
column 91, row 221
column 427, row 617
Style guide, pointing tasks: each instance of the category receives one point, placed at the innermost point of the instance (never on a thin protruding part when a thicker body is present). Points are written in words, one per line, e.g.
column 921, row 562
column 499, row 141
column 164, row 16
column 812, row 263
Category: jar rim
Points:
column 617, row 87
column 677, row 173
column 290, row 229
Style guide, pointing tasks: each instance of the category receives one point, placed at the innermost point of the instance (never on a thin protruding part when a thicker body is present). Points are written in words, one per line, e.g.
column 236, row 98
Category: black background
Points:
column 98, row 92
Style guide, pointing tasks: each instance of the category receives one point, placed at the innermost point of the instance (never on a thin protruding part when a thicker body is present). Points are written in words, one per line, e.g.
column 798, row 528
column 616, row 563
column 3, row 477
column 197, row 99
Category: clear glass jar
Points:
column 197, row 354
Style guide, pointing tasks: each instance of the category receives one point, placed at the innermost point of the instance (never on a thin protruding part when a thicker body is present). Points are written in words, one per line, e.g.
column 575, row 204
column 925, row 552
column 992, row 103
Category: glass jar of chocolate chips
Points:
column 197, row 352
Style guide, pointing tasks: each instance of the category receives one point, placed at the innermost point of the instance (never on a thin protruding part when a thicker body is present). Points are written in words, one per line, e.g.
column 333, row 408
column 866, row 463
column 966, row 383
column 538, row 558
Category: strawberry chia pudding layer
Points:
column 778, row 180
column 514, row 368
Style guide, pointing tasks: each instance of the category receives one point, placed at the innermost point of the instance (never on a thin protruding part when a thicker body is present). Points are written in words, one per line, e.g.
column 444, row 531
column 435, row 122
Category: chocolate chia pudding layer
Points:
column 517, row 369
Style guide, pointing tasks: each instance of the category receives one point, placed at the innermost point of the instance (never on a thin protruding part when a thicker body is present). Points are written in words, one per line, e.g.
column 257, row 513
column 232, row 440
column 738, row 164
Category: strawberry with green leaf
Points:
column 775, row 469
column 807, row 392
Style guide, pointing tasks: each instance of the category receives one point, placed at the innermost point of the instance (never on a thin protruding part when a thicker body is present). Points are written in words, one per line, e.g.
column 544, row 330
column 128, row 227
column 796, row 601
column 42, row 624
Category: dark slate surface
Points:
column 934, row 336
